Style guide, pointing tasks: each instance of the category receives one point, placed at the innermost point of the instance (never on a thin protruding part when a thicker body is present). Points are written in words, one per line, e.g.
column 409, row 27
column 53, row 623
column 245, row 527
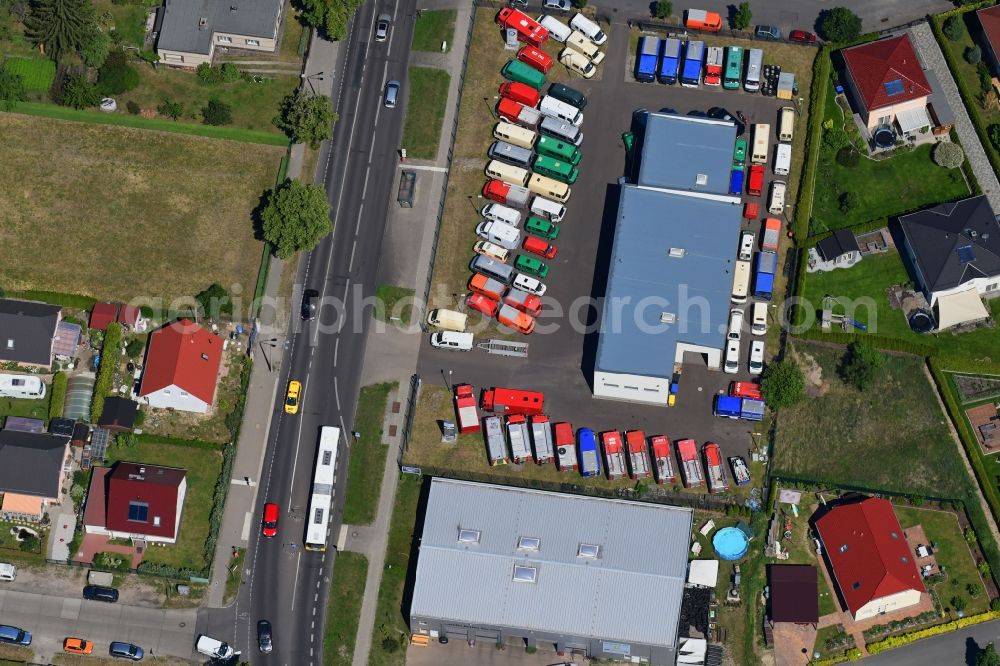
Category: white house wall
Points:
column 634, row 388
column 893, row 602
column 173, row 397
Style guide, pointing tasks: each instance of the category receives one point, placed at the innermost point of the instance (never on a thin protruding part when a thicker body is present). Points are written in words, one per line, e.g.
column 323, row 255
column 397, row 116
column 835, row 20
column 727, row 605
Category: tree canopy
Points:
column 60, row 26
column 295, row 217
column 742, row 17
column 862, row 365
column 306, row 118
column 11, row 89
column 840, row 24
column 783, row 384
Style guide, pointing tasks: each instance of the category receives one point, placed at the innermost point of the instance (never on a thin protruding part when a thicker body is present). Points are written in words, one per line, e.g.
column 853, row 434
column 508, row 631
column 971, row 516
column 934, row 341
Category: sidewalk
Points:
column 391, row 354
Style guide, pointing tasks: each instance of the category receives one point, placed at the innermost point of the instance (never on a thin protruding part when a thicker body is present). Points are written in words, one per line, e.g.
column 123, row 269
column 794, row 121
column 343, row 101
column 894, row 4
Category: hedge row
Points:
column 218, row 506
column 814, row 136
column 152, row 438
column 55, row 298
column 110, row 353
column 882, row 342
column 854, row 654
column 797, row 315
column 58, row 396
column 905, row 639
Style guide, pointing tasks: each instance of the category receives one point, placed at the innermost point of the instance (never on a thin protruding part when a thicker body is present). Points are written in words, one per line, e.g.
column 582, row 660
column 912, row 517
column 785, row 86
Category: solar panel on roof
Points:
column 894, row 87
column 966, row 255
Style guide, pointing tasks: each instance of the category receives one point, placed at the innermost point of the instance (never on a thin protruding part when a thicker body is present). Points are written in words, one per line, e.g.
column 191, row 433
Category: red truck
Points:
column 528, row 29
column 465, row 409
column 521, row 93
column 517, row 435
column 699, row 19
column 755, row 185
column 663, row 466
column 541, row 439
column 691, row 470
column 745, row 390
column 716, row 467
column 638, row 462
column 614, row 454
column 512, row 401
column 565, row 446
column 519, row 114
column 771, row 235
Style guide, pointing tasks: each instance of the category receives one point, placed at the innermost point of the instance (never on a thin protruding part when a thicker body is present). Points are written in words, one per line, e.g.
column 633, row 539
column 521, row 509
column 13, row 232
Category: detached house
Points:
column 190, row 31
column 182, row 367
column 135, row 501
column 28, row 332
column 33, row 468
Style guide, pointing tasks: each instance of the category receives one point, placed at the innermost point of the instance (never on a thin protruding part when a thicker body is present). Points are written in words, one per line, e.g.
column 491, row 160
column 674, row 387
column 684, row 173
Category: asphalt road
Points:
column 955, row 648
column 285, row 584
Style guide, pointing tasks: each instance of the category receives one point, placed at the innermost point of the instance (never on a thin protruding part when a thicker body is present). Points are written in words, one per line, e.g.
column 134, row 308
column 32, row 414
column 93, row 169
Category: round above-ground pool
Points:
column 884, row 137
column 730, row 543
column 921, row 321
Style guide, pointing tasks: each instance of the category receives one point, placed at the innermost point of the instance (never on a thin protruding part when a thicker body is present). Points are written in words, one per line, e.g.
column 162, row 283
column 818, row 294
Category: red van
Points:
column 483, row 304
column 487, row 286
column 538, row 246
column 528, row 29
column 520, row 92
column 517, row 320
column 523, row 301
column 535, row 57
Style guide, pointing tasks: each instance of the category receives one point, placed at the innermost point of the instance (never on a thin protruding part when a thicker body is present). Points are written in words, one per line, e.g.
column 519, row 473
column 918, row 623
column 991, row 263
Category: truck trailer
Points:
column 541, row 438
column 517, row 435
column 512, row 401
column 565, row 446
column 638, row 461
column 465, row 409
column 614, row 454
column 691, row 471
column 663, row 466
column 590, row 459
column 717, row 481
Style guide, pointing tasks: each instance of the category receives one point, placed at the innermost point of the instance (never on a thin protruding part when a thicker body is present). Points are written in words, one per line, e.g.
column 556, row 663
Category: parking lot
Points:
column 560, row 361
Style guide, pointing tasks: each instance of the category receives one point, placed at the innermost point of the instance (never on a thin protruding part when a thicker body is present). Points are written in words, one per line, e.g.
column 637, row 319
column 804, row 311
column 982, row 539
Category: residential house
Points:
column 840, row 250
column 886, row 80
column 136, row 501
column 182, row 367
column 33, row 469
column 103, row 314
column 28, row 332
column 954, row 249
column 190, row 31
column 794, row 593
column 119, row 414
column 989, row 19
column 870, row 562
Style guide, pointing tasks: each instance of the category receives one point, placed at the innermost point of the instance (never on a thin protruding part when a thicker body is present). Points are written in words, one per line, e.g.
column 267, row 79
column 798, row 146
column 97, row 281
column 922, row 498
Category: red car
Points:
column 539, row 247
column 802, row 37
column 521, row 93
column 269, row 526
column 482, row 304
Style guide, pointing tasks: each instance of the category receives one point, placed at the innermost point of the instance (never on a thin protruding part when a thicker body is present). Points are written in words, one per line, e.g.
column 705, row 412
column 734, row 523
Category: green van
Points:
column 515, row 70
column 553, row 168
column 531, row 266
column 560, row 150
column 740, row 153
column 541, row 228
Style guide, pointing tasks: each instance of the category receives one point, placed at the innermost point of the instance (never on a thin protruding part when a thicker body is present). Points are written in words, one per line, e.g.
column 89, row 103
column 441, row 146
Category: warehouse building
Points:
column 580, row 575
column 671, row 272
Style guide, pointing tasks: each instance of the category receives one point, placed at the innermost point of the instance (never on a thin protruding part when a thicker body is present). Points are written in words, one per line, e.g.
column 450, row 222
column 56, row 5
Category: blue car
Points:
column 126, row 651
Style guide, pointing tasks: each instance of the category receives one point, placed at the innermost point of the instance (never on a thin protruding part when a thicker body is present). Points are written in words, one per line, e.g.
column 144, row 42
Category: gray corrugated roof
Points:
column 677, row 149
column 644, row 280
column 30, row 464
column 937, row 235
column 180, row 31
column 26, row 331
column 632, row 593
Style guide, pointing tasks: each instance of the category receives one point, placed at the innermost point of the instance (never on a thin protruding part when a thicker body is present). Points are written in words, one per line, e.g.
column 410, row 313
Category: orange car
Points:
column 78, row 646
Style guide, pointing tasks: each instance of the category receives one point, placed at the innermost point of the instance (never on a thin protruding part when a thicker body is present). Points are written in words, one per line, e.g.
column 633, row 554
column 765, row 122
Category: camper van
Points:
column 22, row 386
column 755, row 61
column 786, row 123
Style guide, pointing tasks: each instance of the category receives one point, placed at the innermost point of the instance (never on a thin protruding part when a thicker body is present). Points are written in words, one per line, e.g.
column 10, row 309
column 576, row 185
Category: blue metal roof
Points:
column 678, row 151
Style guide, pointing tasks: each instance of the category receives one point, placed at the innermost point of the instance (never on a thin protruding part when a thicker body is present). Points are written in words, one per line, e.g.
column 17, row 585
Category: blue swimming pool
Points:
column 730, row 543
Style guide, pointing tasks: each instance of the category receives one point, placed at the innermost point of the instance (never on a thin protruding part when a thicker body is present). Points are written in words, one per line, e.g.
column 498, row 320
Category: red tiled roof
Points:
column 875, row 65
column 102, row 315
column 128, row 315
column 989, row 18
column 866, row 548
column 184, row 355
column 155, row 487
column 94, row 513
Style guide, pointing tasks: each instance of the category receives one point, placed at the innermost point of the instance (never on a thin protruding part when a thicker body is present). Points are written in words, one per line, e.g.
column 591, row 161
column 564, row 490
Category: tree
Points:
column 173, row 110
column 11, row 89
column 783, row 384
column 133, row 107
column 116, row 76
column 295, row 217
column 994, row 133
column 215, row 301
column 742, row 17
column 60, row 26
column 988, row 656
column 217, row 112
column 974, row 590
column 954, row 28
column 96, row 47
column 847, row 202
column 78, row 93
column 948, row 155
column 973, row 55
column 664, row 9
column 862, row 365
column 958, row 603
column 306, row 118
column 840, row 24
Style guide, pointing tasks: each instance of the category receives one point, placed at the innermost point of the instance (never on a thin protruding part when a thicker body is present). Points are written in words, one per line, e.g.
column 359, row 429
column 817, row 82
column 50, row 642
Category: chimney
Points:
column 204, row 356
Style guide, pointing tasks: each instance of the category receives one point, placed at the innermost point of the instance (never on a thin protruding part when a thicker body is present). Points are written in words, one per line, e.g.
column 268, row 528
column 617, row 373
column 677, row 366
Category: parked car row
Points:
column 582, row 39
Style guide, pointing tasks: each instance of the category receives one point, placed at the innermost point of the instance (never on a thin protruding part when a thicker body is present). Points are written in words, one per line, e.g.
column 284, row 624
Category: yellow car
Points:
column 78, row 646
column 292, row 398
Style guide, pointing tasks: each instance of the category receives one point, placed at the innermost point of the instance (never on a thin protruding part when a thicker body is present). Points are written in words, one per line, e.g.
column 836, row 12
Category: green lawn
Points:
column 235, row 575
column 37, row 73
column 396, row 304
column 832, row 633
column 364, row 478
column 35, row 409
column 902, row 183
column 391, row 629
column 952, row 553
column 832, row 436
column 203, row 468
column 428, row 94
column 344, row 609
column 432, row 28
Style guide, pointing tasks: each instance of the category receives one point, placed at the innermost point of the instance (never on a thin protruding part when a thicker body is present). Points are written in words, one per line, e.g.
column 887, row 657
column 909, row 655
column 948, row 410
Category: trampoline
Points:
column 884, row 137
column 921, row 321
column 730, row 543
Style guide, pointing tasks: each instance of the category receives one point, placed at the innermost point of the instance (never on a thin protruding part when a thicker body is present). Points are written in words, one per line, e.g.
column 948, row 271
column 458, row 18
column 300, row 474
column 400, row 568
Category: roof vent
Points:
column 588, row 551
column 232, row 8
column 701, row 179
column 204, row 356
column 668, row 318
column 528, row 543
column 678, row 252
column 202, row 22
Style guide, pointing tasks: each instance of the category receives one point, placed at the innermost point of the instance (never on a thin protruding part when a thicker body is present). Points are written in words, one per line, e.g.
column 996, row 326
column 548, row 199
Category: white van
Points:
column 514, row 134
column 588, row 28
column 735, row 324
column 449, row 320
column 550, row 209
column 783, row 159
column 758, row 321
column 451, row 340
column 549, row 187
column 777, row 202
column 500, row 234
column 499, row 213
column 213, row 647
column 579, row 42
column 786, row 123
column 509, row 153
column 561, row 130
column 558, row 30
column 492, row 268
column 511, row 175
column 553, row 108
column 741, row 282
column 8, row 572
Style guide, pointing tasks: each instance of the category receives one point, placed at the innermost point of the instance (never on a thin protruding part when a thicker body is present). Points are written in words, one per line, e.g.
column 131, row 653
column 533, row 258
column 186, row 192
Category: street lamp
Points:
column 272, row 343
column 319, row 76
column 486, row 101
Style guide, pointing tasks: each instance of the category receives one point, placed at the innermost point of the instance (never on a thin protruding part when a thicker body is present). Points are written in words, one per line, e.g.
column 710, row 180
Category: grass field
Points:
column 153, row 215
column 428, row 94
column 432, row 28
column 397, row 302
column 344, row 609
column 835, row 434
column 37, row 73
column 364, row 479
column 888, row 187
column 34, row 409
column 203, row 469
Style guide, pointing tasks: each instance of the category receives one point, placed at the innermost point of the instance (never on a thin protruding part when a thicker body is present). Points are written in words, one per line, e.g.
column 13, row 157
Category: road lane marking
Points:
column 357, row 225
column 354, row 246
column 336, row 392
column 336, row 350
column 295, row 584
column 246, row 526
column 364, row 190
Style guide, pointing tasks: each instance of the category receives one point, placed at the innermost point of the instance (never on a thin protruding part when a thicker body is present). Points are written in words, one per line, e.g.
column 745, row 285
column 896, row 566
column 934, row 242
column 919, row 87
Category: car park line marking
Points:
column 246, row 526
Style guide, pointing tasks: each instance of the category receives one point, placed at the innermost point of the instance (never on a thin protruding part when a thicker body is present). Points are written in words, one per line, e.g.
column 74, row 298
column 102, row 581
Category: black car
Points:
column 720, row 113
column 126, row 651
column 264, row 643
column 309, row 297
column 100, row 593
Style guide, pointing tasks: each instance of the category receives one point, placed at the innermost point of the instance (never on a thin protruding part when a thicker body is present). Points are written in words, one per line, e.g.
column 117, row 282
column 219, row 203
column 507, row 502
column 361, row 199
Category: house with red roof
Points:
column 870, row 562
column 136, row 501
column 989, row 20
column 103, row 314
column 182, row 367
column 886, row 80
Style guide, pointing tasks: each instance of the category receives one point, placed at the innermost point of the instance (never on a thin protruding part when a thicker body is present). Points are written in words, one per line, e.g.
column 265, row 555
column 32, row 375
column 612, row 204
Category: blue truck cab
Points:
column 736, row 182
column 727, row 406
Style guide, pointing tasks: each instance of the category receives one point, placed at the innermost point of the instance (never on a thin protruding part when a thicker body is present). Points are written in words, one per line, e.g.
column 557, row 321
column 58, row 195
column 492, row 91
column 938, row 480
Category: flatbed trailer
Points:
column 541, row 438
column 638, row 461
column 565, row 446
column 715, row 468
column 614, row 454
column 520, row 443
column 663, row 466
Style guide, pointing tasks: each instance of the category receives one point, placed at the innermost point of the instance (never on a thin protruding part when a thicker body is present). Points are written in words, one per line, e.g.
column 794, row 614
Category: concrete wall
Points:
column 888, row 604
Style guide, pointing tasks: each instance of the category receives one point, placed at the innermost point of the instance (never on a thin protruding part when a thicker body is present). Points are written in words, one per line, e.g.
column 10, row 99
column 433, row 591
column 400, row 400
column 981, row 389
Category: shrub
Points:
column 974, row 589
column 834, row 138
column 116, row 76
column 134, row 347
column 985, row 77
column 973, row 55
column 849, row 157
column 217, row 112
column 229, row 72
column 133, row 107
column 847, row 201
column 954, row 28
column 958, row 603
column 783, row 384
column 663, row 9
column 948, row 155
column 30, row 544
column 149, row 56
column 862, row 365
column 207, row 74
column 76, row 92
column 58, row 398
column 173, row 110
column 215, row 302
column 11, row 89
column 110, row 354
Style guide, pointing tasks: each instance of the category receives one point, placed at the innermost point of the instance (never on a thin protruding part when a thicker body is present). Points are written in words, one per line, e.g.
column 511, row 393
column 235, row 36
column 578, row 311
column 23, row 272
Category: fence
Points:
column 411, row 408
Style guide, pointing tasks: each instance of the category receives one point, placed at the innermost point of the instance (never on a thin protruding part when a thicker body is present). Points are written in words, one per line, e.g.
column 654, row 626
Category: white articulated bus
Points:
column 321, row 498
